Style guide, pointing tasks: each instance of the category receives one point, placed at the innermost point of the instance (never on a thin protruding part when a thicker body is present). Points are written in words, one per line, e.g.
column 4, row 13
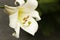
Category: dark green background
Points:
column 49, row 26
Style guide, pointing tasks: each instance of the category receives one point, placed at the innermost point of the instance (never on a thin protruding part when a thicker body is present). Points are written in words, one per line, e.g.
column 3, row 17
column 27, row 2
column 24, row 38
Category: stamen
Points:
column 24, row 22
column 29, row 23
column 25, row 19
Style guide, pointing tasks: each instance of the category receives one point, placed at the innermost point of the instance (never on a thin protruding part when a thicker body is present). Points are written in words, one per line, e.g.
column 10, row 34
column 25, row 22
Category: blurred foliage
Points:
column 47, row 1
column 50, row 14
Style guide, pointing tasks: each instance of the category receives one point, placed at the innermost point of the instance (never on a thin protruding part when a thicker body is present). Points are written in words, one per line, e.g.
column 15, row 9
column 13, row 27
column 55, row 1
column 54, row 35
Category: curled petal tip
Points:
column 14, row 34
column 38, row 19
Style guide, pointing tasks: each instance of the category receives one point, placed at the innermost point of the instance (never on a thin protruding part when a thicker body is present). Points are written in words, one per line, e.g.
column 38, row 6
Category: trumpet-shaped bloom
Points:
column 23, row 16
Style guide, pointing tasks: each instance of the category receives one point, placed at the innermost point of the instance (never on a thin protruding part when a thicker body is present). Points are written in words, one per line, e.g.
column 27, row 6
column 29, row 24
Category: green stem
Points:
column 1, row 6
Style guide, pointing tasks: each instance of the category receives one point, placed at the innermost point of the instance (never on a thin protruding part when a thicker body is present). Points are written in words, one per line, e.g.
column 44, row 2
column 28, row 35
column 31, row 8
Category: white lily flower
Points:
column 23, row 17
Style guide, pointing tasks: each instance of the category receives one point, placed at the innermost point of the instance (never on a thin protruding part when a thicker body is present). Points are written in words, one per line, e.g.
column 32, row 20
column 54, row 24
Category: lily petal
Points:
column 31, row 4
column 21, row 2
column 13, row 20
column 32, row 28
column 10, row 10
column 35, row 14
column 15, row 25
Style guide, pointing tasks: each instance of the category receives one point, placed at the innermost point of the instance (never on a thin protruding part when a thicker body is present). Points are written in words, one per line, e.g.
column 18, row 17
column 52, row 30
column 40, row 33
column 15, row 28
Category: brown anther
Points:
column 25, row 19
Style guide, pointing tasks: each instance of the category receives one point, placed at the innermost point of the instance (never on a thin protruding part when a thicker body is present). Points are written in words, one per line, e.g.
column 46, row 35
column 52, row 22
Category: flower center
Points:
column 22, row 17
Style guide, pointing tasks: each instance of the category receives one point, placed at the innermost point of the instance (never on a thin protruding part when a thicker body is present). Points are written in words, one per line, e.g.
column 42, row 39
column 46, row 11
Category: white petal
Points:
column 32, row 28
column 13, row 20
column 31, row 4
column 21, row 2
column 13, row 23
column 10, row 10
column 35, row 14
